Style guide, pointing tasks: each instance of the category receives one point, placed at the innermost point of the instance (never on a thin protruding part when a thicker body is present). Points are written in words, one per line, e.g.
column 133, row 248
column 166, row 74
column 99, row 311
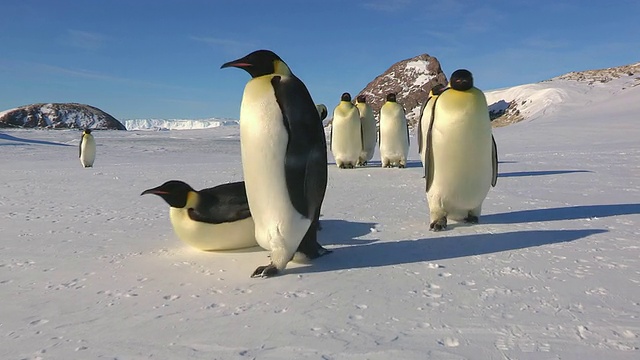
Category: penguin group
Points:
column 284, row 162
column 354, row 133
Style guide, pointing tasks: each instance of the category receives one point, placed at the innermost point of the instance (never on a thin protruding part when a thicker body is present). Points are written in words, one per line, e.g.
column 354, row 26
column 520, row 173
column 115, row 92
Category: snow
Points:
column 419, row 66
column 90, row 269
column 176, row 124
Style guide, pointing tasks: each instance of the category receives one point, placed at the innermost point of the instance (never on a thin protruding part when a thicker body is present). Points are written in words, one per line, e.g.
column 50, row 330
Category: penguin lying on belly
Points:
column 216, row 218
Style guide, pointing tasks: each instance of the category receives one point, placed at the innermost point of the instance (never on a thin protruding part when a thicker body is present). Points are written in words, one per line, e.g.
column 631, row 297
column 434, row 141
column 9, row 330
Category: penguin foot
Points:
column 472, row 219
column 265, row 271
column 401, row 166
column 439, row 224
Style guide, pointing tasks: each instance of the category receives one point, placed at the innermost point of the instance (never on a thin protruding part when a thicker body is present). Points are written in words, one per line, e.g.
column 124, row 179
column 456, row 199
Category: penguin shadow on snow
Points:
column 342, row 232
column 433, row 249
column 561, row 213
column 21, row 141
column 540, row 173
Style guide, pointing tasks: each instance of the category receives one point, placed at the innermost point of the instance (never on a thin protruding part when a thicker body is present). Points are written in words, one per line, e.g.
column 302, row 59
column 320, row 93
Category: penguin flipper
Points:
column 223, row 203
column 494, row 161
column 80, row 146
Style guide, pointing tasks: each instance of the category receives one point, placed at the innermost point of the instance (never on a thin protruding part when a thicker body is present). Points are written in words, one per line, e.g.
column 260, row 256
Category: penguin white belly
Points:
column 263, row 143
column 212, row 237
column 346, row 141
column 462, row 165
column 88, row 151
column 394, row 143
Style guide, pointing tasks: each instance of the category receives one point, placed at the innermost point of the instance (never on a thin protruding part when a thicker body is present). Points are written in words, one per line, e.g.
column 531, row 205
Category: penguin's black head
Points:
column 260, row 63
column 461, row 80
column 345, row 97
column 391, row 97
column 361, row 99
column 174, row 192
column 87, row 131
column 437, row 89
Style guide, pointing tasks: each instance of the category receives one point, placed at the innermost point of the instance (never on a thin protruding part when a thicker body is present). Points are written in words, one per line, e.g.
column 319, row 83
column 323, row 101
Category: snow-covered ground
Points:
column 89, row 269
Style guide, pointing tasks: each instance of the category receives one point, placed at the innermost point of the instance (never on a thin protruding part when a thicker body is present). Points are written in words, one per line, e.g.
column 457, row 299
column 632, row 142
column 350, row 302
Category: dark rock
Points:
column 59, row 116
column 411, row 80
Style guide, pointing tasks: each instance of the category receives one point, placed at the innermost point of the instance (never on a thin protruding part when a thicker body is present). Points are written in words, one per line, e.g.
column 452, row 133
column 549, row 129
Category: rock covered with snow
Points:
column 410, row 79
column 59, row 116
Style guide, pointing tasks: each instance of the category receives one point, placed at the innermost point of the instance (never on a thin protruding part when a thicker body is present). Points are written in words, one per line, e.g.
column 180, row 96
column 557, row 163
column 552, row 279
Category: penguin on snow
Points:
column 461, row 160
column 394, row 134
column 87, row 149
column 368, row 130
column 346, row 133
column 284, row 160
column 211, row 219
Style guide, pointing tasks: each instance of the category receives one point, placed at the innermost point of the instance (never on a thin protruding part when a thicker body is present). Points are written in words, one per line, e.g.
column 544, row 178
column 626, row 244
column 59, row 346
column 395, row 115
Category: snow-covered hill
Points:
column 565, row 92
column 176, row 124
column 59, row 116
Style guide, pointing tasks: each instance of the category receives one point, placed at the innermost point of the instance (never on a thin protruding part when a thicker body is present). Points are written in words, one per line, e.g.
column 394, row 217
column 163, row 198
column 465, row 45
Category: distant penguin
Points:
column 368, row 129
column 322, row 111
column 216, row 218
column 284, row 160
column 87, row 149
column 461, row 161
column 346, row 136
column 394, row 134
column 426, row 112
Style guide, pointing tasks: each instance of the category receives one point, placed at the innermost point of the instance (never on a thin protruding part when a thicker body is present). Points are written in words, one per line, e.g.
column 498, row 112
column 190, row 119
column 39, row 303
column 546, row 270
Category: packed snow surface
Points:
column 91, row 270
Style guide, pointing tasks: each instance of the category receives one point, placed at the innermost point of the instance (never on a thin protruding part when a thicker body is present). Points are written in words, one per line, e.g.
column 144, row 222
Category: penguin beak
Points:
column 155, row 192
column 235, row 63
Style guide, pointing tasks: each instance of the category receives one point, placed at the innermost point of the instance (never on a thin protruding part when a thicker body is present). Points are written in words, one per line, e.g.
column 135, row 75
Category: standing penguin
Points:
column 394, row 134
column 216, row 218
column 368, row 128
column 87, row 149
column 346, row 136
column 284, row 160
column 461, row 161
column 426, row 114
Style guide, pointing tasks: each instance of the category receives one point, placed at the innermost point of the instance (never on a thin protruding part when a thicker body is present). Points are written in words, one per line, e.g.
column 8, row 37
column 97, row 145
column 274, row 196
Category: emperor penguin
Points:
column 394, row 133
column 284, row 160
column 87, row 149
column 461, row 161
column 426, row 113
column 346, row 135
column 368, row 130
column 322, row 111
column 212, row 219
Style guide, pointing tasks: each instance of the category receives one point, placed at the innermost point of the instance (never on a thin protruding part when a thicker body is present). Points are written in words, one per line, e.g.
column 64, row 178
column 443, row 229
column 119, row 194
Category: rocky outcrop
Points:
column 411, row 80
column 59, row 116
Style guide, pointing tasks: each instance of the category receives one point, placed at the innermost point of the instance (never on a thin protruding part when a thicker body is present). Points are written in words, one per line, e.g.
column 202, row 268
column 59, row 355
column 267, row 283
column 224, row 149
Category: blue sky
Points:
column 161, row 59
